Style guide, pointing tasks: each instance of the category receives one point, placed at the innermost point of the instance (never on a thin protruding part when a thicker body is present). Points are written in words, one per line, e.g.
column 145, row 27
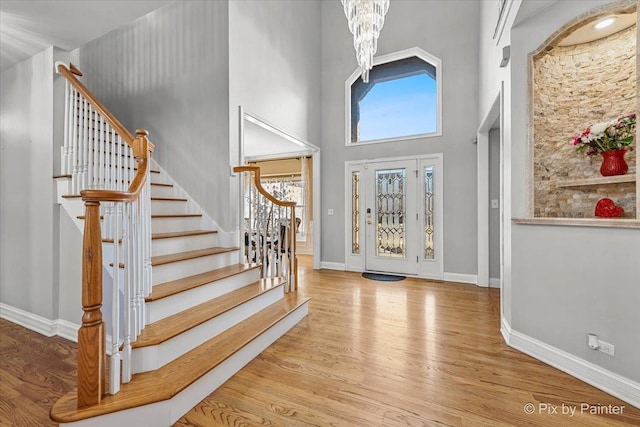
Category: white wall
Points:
column 444, row 29
column 274, row 69
column 167, row 72
column 27, row 199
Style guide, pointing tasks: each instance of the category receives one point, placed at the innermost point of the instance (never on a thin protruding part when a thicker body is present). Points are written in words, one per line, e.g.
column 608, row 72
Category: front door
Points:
column 391, row 217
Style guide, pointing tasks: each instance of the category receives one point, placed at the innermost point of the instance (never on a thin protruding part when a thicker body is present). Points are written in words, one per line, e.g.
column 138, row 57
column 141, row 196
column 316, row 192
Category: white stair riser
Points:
column 63, row 186
column 184, row 243
column 159, row 178
column 169, row 207
column 167, row 225
column 165, row 414
column 149, row 358
column 178, row 270
column 165, row 307
column 162, row 191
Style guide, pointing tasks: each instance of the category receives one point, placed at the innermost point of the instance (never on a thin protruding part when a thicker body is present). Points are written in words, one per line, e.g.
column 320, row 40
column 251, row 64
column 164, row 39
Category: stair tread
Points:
column 169, row 199
column 175, row 215
column 157, row 236
column 164, row 199
column 182, row 234
column 172, row 326
column 164, row 383
column 159, row 184
column 182, row 256
column 159, row 216
column 173, row 287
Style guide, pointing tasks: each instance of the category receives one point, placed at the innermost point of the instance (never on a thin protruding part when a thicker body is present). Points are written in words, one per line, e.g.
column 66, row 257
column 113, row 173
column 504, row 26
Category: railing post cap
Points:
column 142, row 132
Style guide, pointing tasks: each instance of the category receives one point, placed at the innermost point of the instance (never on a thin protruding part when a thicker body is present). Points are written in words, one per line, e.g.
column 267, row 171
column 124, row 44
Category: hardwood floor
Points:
column 409, row 353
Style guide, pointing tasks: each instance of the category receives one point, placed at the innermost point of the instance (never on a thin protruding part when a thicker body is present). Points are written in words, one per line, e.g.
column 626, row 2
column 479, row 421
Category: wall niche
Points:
column 577, row 81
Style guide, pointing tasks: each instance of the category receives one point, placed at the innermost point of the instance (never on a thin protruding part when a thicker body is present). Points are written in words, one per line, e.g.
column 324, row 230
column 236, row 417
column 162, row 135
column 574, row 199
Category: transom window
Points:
column 402, row 99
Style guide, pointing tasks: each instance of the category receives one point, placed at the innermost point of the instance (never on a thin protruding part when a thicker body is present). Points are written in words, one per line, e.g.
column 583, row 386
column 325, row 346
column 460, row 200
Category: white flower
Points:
column 599, row 128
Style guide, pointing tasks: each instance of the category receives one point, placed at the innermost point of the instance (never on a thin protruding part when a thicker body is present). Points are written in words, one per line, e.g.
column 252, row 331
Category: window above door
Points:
column 402, row 100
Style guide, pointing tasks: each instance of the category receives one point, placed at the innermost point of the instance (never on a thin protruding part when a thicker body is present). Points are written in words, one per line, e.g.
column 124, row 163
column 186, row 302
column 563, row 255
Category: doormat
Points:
column 383, row 277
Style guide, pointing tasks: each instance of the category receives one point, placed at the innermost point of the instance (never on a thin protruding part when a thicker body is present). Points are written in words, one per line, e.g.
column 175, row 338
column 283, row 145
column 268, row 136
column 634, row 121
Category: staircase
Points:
column 206, row 316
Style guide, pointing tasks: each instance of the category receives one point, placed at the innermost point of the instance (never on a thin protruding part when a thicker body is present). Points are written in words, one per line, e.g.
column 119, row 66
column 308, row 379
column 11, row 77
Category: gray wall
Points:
column 494, row 194
column 274, row 69
column 568, row 281
column 168, row 72
column 27, row 198
column 434, row 26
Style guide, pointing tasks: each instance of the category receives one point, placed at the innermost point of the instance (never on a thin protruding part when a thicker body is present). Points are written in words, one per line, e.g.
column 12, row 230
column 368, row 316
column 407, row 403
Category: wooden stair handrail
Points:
column 258, row 184
column 142, row 149
column 115, row 124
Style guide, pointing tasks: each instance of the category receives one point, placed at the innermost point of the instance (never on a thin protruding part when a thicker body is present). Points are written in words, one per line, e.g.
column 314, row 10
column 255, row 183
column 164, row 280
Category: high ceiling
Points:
column 29, row 26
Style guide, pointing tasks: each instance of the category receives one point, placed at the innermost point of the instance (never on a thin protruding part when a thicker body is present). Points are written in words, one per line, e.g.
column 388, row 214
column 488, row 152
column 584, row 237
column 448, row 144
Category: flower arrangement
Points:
column 607, row 136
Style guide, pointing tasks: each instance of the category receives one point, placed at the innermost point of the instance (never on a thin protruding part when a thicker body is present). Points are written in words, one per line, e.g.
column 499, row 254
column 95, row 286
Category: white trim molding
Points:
column 339, row 266
column 607, row 381
column 461, row 278
column 494, row 282
column 39, row 324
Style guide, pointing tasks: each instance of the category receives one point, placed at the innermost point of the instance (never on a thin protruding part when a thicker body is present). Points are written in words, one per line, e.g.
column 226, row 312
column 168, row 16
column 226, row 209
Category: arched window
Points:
column 402, row 99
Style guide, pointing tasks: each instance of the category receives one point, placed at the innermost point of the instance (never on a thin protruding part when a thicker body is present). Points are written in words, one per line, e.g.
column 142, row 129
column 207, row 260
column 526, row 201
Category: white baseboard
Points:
column 332, row 265
column 607, row 381
column 39, row 324
column 68, row 330
column 462, row 278
column 494, row 282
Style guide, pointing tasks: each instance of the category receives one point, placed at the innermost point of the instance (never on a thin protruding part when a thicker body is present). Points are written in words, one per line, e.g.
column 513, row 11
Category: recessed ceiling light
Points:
column 603, row 23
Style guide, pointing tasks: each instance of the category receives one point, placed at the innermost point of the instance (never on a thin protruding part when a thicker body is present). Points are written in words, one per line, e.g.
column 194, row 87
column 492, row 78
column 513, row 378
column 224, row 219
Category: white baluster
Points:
column 91, row 148
column 128, row 307
column 101, row 158
column 75, row 143
column 114, row 370
column 65, row 142
column 85, row 145
column 108, row 164
column 140, row 264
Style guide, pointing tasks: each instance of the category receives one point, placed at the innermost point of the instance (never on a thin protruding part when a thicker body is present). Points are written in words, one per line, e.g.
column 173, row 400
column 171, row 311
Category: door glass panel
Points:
column 390, row 212
column 355, row 212
column 429, row 247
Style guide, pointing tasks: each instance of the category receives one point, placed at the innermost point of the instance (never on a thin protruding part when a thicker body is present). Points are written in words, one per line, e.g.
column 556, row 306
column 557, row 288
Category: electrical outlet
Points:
column 329, row 211
column 495, row 204
column 606, row 348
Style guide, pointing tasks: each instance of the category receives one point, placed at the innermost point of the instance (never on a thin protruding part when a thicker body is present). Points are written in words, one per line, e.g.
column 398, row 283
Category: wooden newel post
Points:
column 91, row 336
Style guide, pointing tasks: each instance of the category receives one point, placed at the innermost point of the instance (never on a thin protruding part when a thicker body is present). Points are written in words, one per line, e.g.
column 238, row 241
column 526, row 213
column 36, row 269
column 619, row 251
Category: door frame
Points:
column 356, row 262
column 496, row 112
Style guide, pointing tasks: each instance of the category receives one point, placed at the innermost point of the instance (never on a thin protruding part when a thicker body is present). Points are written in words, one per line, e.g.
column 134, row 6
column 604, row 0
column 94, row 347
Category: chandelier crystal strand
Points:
column 366, row 18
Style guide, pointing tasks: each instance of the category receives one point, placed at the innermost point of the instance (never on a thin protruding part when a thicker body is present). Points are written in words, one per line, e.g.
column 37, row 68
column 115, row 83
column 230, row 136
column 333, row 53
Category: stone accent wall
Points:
column 573, row 87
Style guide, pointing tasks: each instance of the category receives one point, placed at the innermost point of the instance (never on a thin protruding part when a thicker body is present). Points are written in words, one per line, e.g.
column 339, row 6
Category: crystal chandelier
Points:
column 366, row 18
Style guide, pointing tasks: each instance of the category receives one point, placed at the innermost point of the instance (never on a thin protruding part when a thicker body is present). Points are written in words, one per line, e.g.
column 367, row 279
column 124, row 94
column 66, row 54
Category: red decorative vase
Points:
column 613, row 163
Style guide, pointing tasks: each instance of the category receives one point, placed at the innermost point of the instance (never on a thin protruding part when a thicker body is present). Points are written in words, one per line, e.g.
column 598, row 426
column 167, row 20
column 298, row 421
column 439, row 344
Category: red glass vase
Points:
column 613, row 163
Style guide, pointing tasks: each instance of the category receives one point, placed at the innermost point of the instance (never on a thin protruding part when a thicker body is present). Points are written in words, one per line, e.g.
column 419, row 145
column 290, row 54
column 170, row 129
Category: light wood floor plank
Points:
column 409, row 353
